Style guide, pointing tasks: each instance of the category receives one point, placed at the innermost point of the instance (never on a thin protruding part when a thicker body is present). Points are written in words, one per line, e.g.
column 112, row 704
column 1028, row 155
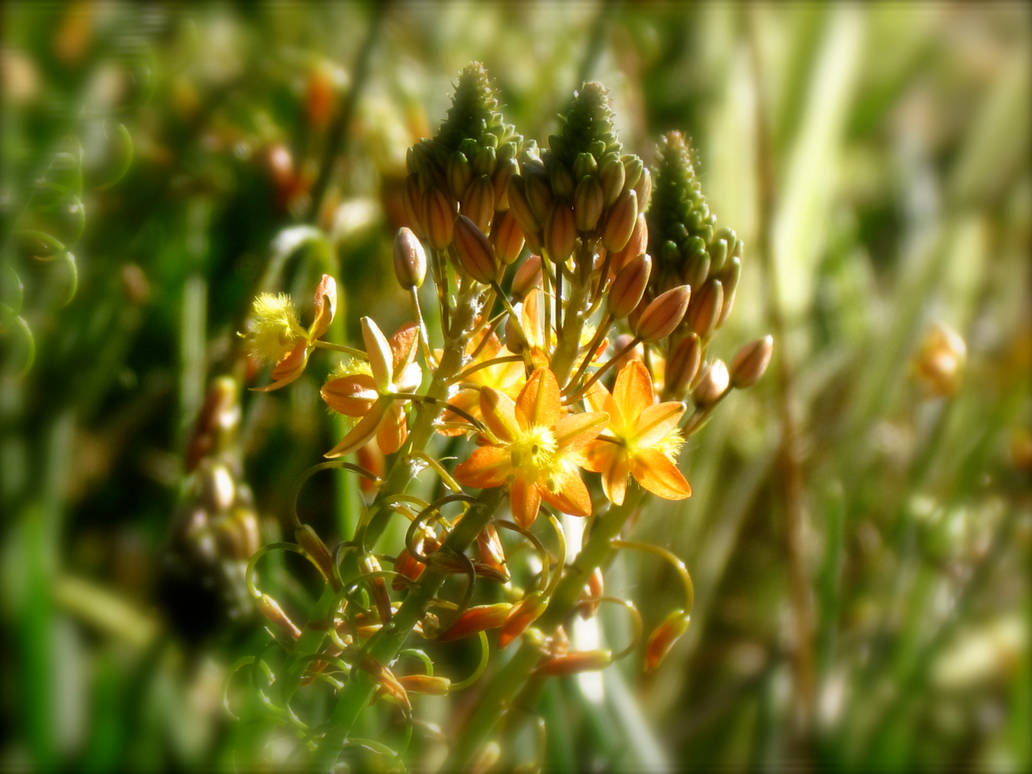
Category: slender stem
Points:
column 424, row 337
column 486, row 364
column 603, row 327
column 602, row 369
column 673, row 560
column 320, row 344
column 575, row 315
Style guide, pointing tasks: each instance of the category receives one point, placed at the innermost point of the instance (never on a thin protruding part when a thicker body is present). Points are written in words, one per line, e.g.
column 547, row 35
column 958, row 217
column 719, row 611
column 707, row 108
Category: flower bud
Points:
column 940, row 360
column 275, row 614
column 484, row 159
column 644, row 189
column 629, row 286
column 237, row 533
column 612, row 175
column 439, row 217
column 729, row 277
column 633, row 168
column 409, row 570
column 584, row 164
column 415, row 207
column 527, row 277
column 621, row 342
column 429, row 684
column 751, row 361
column 478, row 202
column 514, row 341
column 370, row 565
column 561, row 180
column 663, row 637
column 526, row 611
column 491, row 552
column 560, row 232
column 664, row 313
column 500, row 179
column 409, row 259
column 519, row 206
column 636, row 245
column 539, row 195
column 696, row 268
column 593, row 591
column 620, row 222
column 588, row 203
column 712, row 386
column 460, row 173
column 682, row 365
column 508, row 238
column 474, row 251
column 705, row 308
column 477, row 619
column 575, row 661
column 316, row 550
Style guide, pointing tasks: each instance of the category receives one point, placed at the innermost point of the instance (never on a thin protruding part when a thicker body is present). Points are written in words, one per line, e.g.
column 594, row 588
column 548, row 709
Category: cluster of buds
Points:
column 571, row 363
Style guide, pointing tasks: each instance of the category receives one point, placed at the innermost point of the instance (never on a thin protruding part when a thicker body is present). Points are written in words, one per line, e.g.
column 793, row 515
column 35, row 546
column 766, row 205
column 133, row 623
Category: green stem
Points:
column 568, row 345
column 513, row 676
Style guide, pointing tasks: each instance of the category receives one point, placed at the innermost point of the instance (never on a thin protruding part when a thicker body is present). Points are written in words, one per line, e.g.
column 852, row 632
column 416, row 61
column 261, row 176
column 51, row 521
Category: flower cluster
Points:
column 574, row 323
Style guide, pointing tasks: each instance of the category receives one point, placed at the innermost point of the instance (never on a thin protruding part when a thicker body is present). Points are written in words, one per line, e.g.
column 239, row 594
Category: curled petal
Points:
column 408, row 378
column 538, row 404
column 403, row 347
column 381, row 358
column 288, row 369
column 659, row 475
column 325, row 306
column 352, row 395
column 362, row 432
column 393, row 428
column 486, row 467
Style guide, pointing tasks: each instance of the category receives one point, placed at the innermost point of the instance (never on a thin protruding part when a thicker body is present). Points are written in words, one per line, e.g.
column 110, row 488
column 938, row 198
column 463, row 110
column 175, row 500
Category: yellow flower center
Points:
column 535, row 451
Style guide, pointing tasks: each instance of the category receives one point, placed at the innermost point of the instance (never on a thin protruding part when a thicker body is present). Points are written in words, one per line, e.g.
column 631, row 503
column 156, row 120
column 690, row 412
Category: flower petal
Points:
column 633, row 391
column 486, row 467
column 351, row 395
column 525, row 501
column 499, row 413
column 381, row 359
column 362, row 432
column 538, row 404
column 614, row 480
column 598, row 456
column 393, row 429
column 656, row 422
column 573, row 431
column 659, row 475
column 288, row 368
column 403, row 347
column 568, row 493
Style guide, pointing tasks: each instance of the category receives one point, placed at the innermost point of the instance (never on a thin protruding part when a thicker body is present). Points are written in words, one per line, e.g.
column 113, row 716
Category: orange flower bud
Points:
column 474, row 250
column 492, row 554
column 409, row 259
column 368, row 565
column 520, row 207
column 439, row 216
column 526, row 611
column 751, row 361
column 629, row 286
column 560, row 232
column 502, row 175
column 635, row 246
column 729, row 277
column 588, row 203
column 682, row 365
column 575, row 661
column 508, row 238
column 478, row 202
column 316, row 549
column 620, row 222
column 593, row 590
column 372, row 459
column 527, row 277
column 272, row 611
column 477, row 619
column 431, row 684
column 644, row 189
column 663, row 637
column 664, row 313
column 539, row 194
column 712, row 386
column 706, row 307
column 319, row 95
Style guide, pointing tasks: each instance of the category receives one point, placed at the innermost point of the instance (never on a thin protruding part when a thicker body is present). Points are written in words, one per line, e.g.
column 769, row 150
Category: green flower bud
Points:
column 613, row 176
column 584, row 164
column 459, row 173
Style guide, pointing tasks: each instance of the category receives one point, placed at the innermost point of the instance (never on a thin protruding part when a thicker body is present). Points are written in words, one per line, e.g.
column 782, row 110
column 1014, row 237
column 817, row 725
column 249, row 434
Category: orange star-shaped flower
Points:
column 371, row 394
column 536, row 452
column 643, row 438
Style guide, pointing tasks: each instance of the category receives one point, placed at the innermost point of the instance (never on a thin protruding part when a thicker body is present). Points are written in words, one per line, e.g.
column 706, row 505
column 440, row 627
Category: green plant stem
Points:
column 384, row 646
column 568, row 346
column 512, row 677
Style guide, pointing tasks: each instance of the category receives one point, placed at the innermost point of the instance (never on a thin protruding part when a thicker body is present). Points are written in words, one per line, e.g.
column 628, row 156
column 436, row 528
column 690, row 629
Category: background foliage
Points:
column 859, row 541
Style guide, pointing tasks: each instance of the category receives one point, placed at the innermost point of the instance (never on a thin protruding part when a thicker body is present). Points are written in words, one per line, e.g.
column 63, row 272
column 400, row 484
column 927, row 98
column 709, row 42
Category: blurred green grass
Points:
column 898, row 140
